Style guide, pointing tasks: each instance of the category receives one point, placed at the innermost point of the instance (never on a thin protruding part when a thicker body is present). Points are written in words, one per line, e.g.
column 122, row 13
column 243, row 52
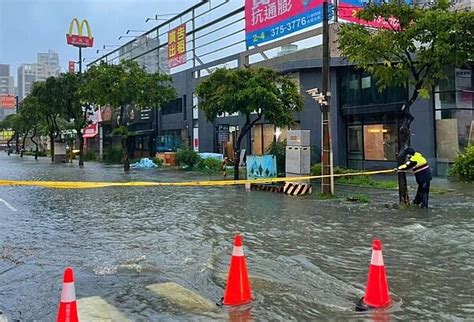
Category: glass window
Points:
column 173, row 107
column 454, row 111
column 380, row 142
column 360, row 89
column 354, row 142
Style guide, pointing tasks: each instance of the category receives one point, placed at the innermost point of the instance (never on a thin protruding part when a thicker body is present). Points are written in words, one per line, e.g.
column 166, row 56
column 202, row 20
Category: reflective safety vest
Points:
column 417, row 162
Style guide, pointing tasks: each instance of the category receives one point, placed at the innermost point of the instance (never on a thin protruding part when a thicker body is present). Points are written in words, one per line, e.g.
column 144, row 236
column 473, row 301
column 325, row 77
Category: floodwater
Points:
column 308, row 258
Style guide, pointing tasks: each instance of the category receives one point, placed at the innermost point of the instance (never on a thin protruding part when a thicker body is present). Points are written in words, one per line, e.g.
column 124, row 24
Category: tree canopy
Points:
column 260, row 91
column 416, row 47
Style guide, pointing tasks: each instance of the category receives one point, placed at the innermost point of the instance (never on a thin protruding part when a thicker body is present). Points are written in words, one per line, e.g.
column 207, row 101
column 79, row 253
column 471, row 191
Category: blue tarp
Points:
column 144, row 163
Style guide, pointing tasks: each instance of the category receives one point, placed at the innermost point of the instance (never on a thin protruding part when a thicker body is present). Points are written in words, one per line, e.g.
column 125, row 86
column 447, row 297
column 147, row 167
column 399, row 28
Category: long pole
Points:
column 327, row 186
column 80, row 60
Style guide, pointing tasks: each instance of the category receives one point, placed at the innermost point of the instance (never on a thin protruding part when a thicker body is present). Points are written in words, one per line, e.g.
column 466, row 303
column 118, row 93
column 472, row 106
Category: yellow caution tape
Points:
column 90, row 185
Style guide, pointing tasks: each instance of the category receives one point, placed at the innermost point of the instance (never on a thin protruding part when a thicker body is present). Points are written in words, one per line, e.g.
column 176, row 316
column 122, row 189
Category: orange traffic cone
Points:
column 237, row 291
column 376, row 292
column 67, row 306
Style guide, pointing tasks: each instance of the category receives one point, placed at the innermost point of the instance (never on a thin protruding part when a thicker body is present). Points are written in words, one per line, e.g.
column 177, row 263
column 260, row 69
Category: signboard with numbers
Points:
column 267, row 20
column 177, row 46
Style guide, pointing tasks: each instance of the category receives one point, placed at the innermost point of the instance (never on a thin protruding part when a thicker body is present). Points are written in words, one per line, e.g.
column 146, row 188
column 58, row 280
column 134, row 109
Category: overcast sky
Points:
column 31, row 26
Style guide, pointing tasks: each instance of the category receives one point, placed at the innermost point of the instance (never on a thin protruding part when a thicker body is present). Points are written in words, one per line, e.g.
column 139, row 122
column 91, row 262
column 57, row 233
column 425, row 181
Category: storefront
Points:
column 454, row 111
column 372, row 118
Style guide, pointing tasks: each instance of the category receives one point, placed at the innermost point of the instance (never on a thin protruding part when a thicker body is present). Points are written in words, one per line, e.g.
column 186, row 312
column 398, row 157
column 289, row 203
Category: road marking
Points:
column 8, row 205
column 183, row 297
column 96, row 309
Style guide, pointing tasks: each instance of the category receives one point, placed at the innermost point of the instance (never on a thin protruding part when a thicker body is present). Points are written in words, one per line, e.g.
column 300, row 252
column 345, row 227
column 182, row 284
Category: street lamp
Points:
column 162, row 15
column 134, row 30
column 110, row 46
column 122, row 36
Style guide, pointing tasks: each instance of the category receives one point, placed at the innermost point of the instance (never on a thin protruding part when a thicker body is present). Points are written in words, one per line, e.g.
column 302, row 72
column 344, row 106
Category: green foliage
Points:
column 210, row 165
column 463, row 168
column 278, row 149
column 90, row 156
column 359, row 180
column 416, row 49
column 158, row 162
column 113, row 155
column 187, row 157
column 359, row 197
column 126, row 84
column 123, row 131
column 263, row 90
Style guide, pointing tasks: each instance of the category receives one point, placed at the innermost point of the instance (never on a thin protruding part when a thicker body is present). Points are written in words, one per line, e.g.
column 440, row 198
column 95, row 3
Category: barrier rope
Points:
column 91, row 185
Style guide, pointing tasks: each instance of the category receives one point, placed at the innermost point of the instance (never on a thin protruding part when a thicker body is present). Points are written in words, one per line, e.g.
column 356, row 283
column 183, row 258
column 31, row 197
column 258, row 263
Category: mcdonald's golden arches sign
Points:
column 79, row 39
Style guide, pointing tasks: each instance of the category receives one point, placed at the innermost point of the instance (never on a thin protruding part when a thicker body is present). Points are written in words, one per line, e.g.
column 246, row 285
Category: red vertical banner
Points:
column 72, row 66
column 177, row 46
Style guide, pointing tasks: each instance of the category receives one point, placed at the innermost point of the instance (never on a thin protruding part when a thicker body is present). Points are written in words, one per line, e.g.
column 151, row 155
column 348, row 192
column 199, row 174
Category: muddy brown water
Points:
column 308, row 258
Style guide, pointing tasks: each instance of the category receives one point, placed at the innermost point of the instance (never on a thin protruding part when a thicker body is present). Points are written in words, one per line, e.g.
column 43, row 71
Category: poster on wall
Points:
column 177, row 46
column 261, row 166
column 267, row 20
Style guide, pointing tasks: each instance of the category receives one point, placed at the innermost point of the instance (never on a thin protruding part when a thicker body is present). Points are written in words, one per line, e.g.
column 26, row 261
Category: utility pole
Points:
column 80, row 60
column 326, row 148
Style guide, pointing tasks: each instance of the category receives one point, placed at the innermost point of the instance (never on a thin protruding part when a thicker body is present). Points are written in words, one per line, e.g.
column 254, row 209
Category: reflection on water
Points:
column 307, row 258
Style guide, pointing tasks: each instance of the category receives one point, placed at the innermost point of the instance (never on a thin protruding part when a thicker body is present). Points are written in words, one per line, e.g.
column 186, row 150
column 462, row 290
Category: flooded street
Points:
column 307, row 258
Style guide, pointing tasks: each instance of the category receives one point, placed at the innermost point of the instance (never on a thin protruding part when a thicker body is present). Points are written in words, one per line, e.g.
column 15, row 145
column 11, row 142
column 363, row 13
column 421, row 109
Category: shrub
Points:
column 187, row 157
column 113, row 155
column 210, row 165
column 463, row 168
column 158, row 162
column 316, row 169
column 278, row 149
column 90, row 156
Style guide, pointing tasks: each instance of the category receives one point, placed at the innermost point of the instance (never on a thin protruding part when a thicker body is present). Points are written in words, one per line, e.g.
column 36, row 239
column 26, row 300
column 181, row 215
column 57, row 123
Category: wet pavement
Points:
column 308, row 258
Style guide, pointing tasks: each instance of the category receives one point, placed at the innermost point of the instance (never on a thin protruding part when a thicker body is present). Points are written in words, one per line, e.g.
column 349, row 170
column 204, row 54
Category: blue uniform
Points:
column 422, row 175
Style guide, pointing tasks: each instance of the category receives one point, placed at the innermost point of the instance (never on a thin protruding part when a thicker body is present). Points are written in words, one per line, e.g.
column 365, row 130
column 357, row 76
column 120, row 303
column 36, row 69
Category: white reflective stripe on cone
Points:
column 377, row 258
column 68, row 293
column 238, row 251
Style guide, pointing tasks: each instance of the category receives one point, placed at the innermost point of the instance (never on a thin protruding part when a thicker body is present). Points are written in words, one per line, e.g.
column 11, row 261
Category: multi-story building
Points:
column 7, row 86
column 365, row 122
column 47, row 65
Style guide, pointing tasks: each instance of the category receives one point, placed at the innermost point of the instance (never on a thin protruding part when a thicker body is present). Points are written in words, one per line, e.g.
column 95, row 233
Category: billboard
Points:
column 177, row 46
column 8, row 101
column 347, row 10
column 267, row 20
column 79, row 40
column 72, row 66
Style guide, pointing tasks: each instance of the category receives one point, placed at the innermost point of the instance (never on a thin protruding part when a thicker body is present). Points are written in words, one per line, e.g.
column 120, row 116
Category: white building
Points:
column 7, row 86
column 47, row 65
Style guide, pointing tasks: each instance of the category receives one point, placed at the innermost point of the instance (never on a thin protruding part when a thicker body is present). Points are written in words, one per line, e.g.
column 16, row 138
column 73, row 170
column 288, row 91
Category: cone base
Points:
column 221, row 303
column 362, row 306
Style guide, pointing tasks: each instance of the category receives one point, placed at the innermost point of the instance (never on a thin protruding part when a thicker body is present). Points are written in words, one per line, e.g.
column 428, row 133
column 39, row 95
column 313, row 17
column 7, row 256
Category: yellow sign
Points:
column 79, row 40
column 177, row 46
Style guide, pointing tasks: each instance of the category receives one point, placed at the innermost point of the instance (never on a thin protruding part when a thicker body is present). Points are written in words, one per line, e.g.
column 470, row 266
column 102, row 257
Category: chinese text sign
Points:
column 266, row 20
column 177, row 46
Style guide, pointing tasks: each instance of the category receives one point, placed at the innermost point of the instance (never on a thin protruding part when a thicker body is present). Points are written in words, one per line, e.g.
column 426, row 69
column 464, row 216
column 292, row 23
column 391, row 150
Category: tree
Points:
column 48, row 96
column 123, row 85
column 6, row 124
column 70, row 100
column 262, row 91
column 30, row 119
column 415, row 48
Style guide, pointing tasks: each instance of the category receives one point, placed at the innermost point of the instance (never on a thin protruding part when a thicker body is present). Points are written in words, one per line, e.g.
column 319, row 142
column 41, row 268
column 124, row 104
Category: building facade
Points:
column 47, row 65
column 364, row 121
column 7, row 88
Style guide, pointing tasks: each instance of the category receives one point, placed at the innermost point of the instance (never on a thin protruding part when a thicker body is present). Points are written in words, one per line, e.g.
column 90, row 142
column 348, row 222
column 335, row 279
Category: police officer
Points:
column 422, row 175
